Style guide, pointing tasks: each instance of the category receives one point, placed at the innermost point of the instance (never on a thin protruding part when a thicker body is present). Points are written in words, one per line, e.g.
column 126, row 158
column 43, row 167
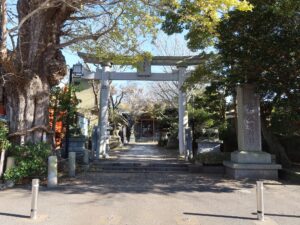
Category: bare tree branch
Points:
column 93, row 36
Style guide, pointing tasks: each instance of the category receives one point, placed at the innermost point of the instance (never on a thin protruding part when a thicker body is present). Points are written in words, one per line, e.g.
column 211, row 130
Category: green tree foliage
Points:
column 262, row 47
column 4, row 142
column 200, row 19
column 259, row 46
column 168, row 121
column 207, row 110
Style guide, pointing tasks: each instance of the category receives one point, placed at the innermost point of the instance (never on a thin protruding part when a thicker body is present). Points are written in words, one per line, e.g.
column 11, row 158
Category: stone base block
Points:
column 251, row 157
column 251, row 171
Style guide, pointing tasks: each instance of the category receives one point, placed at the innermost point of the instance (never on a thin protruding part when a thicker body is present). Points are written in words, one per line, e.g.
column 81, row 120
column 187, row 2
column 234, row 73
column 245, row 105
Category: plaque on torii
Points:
column 144, row 68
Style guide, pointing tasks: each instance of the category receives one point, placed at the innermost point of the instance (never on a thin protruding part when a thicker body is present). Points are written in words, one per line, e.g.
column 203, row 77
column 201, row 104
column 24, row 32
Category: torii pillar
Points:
column 103, row 111
column 182, row 113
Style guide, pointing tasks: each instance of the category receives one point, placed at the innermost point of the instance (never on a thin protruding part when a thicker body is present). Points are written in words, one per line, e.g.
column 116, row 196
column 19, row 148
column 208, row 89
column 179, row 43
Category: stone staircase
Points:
column 139, row 167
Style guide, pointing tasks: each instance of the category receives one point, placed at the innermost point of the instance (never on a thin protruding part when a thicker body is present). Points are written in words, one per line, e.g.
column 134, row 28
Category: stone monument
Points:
column 250, row 161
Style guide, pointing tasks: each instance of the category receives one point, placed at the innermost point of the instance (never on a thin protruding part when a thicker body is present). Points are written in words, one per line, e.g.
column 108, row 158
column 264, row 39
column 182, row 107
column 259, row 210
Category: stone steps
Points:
column 139, row 167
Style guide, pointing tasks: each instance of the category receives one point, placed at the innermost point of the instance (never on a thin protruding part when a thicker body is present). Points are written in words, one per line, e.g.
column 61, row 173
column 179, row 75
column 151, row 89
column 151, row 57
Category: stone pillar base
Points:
column 252, row 171
column 253, row 157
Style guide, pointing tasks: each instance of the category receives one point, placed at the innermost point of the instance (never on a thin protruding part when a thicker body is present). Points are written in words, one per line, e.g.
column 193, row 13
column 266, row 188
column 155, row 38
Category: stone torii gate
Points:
column 144, row 74
column 249, row 161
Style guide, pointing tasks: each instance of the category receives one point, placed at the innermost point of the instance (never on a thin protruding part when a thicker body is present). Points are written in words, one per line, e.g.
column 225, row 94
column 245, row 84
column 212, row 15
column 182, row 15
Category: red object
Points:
column 2, row 110
column 59, row 131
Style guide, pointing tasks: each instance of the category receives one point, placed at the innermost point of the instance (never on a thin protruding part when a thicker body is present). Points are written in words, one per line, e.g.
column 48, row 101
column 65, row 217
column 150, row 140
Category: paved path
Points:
column 144, row 152
column 151, row 199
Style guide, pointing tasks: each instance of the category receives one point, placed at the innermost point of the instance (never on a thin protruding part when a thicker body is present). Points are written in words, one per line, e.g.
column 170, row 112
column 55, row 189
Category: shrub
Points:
column 31, row 161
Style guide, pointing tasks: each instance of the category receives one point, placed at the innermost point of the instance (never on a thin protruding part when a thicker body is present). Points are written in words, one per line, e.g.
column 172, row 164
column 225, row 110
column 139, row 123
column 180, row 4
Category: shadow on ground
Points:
column 158, row 183
column 14, row 215
column 219, row 216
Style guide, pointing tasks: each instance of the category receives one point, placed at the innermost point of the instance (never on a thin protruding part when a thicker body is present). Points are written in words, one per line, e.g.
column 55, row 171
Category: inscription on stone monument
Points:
column 249, row 130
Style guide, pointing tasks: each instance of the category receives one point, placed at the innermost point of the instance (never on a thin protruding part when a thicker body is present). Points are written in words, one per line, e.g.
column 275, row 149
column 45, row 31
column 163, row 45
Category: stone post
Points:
column 189, row 144
column 183, row 120
column 103, row 115
column 125, row 141
column 72, row 164
column 86, row 160
column 34, row 198
column 2, row 161
column 10, row 163
column 86, row 157
column 52, row 171
column 132, row 137
column 95, row 142
column 250, row 161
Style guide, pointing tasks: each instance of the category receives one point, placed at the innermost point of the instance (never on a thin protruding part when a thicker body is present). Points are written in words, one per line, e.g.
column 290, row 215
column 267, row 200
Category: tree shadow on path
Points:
column 221, row 216
column 156, row 183
column 14, row 215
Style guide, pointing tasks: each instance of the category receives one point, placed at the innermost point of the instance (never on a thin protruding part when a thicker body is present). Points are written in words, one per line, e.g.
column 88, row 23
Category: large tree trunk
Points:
column 38, row 64
column 28, row 110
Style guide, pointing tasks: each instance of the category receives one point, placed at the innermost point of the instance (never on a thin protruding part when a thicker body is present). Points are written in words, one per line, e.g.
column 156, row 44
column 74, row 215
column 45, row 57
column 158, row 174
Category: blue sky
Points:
column 167, row 45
